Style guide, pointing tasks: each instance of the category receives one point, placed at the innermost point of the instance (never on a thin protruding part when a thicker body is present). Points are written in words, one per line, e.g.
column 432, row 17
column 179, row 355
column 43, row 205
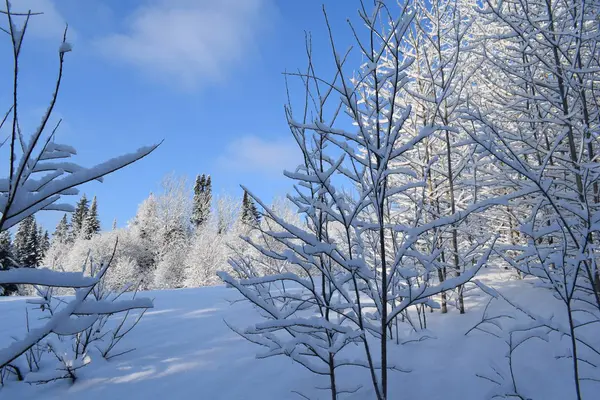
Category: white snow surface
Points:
column 184, row 349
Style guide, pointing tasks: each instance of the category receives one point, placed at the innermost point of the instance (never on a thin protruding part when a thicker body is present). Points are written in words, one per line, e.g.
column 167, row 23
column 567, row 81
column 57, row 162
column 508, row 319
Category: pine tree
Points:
column 91, row 225
column 250, row 214
column 79, row 217
column 61, row 233
column 202, row 200
column 7, row 261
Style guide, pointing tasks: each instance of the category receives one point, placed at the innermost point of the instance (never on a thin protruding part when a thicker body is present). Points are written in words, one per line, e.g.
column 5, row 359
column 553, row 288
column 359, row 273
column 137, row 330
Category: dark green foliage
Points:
column 250, row 214
column 61, row 233
column 78, row 218
column 7, row 261
column 202, row 200
column 30, row 255
column 44, row 245
column 27, row 243
column 91, row 224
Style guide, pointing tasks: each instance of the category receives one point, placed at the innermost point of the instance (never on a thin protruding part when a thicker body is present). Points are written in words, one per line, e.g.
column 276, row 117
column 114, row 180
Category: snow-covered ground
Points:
column 185, row 350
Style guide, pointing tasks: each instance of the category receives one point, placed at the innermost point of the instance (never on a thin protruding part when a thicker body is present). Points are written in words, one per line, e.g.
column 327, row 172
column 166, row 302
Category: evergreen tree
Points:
column 39, row 248
column 61, row 233
column 7, row 261
column 44, row 245
column 79, row 217
column 114, row 224
column 26, row 245
column 202, row 200
column 22, row 239
column 91, row 225
column 6, row 255
column 250, row 214
column 146, row 219
column 221, row 226
column 208, row 188
column 196, row 210
column 30, row 255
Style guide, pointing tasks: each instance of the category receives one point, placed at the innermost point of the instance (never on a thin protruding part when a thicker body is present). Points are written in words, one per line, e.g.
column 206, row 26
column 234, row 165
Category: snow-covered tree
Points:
column 173, row 207
column 171, row 267
column 213, row 243
column 227, row 213
column 208, row 253
column 162, row 223
column 364, row 261
column 536, row 116
column 43, row 244
column 61, row 233
column 440, row 84
column 37, row 176
column 145, row 229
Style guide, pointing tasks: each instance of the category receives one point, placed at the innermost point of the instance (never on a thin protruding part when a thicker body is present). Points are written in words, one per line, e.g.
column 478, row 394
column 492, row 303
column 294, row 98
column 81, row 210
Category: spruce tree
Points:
column 208, row 188
column 26, row 243
column 250, row 214
column 79, row 217
column 91, row 225
column 207, row 199
column 6, row 256
column 30, row 255
column 61, row 233
column 196, row 209
column 22, row 238
column 7, row 261
column 43, row 246
column 202, row 200
column 39, row 249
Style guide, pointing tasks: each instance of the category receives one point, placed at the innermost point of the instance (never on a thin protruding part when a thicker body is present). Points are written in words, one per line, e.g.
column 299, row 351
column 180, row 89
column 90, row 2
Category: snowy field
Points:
column 185, row 350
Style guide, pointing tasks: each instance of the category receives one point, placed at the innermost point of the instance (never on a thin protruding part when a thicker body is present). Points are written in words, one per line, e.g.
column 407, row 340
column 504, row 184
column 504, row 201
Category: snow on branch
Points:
column 46, row 277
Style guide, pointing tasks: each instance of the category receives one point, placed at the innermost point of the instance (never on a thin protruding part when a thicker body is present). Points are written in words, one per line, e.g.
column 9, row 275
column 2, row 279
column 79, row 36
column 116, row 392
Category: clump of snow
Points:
column 65, row 47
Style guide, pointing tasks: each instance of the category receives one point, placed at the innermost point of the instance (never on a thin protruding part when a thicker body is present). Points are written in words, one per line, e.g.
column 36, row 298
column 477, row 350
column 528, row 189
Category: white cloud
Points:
column 188, row 42
column 252, row 154
column 49, row 25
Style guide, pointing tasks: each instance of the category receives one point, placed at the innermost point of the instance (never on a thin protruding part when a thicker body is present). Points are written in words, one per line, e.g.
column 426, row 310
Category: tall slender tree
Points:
column 30, row 254
column 202, row 200
column 61, row 233
column 250, row 214
column 44, row 245
column 7, row 261
column 22, row 243
column 36, row 177
column 79, row 217
column 91, row 224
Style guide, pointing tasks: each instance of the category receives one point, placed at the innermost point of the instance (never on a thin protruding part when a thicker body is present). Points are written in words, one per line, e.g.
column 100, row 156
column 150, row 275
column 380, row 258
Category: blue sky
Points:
column 204, row 76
